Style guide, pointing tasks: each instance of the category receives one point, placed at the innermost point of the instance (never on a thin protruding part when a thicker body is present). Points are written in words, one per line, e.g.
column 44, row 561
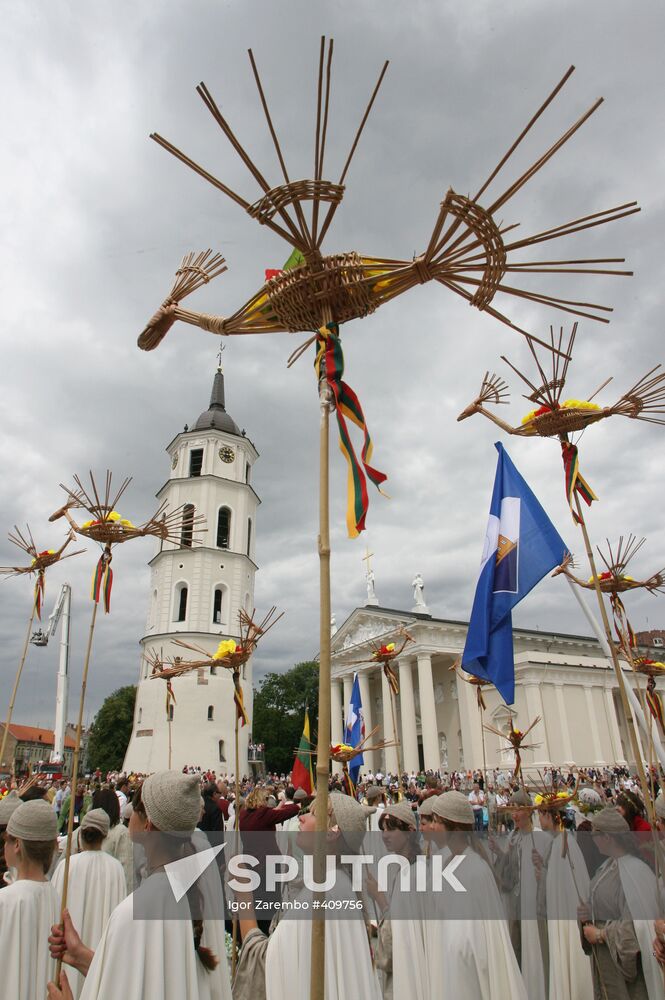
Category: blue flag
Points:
column 354, row 729
column 521, row 546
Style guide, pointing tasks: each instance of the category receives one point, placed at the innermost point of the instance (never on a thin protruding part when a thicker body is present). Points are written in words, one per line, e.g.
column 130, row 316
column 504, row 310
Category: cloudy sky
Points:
column 94, row 219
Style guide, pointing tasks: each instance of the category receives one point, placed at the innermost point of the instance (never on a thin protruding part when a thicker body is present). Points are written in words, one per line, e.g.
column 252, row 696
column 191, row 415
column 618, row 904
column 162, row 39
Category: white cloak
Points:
column 642, row 896
column 149, row 959
column 472, row 957
column 96, row 886
column 28, row 910
column 349, row 973
column 570, row 968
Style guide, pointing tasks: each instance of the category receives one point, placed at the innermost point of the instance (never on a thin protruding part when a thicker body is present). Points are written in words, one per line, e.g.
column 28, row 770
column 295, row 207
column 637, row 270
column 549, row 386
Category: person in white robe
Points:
column 117, row 842
column 278, row 967
column 617, row 924
column 468, row 952
column 399, row 828
column 517, row 879
column 30, row 905
column 95, row 887
column 564, row 882
column 161, row 954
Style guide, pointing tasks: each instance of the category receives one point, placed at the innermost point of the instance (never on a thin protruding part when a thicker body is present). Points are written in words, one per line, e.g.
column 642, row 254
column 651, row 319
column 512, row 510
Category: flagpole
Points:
column 75, row 773
column 632, row 733
column 397, row 745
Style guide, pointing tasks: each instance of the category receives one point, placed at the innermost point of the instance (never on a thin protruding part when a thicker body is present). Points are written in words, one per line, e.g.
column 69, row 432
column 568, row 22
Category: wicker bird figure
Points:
column 229, row 654
column 385, row 654
column 515, row 739
column 557, row 418
column 614, row 581
column 108, row 528
column 467, row 251
column 40, row 561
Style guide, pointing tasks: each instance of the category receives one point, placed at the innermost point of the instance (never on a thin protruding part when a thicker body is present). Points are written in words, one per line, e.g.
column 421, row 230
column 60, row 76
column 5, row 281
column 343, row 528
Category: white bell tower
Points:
column 196, row 592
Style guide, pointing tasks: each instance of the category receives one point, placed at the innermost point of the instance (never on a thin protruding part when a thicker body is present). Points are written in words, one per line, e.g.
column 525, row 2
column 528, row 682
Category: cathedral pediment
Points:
column 362, row 626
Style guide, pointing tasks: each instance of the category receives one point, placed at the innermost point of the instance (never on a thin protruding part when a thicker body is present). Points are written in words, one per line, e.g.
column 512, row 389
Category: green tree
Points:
column 111, row 730
column 279, row 712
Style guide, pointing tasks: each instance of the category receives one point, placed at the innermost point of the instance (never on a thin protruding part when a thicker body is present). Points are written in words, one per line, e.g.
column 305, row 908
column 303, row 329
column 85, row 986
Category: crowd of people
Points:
column 548, row 914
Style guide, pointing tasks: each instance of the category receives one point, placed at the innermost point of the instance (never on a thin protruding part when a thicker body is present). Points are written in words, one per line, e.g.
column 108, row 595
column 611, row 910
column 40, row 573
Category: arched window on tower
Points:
column 180, row 603
column 195, row 461
column 139, row 717
column 187, row 526
column 222, row 756
column 218, row 606
column 249, row 535
column 211, row 713
column 224, row 528
column 171, row 712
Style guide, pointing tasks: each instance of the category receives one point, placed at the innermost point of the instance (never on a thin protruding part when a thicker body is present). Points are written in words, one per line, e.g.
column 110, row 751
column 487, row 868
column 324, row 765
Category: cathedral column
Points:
column 366, row 700
column 408, row 714
column 593, row 725
column 428, row 713
column 348, row 688
column 563, row 720
column 336, row 719
column 390, row 752
column 613, row 727
column 534, row 705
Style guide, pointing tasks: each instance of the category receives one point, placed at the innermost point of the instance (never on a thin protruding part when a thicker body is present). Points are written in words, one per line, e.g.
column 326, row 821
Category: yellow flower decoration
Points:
column 47, row 552
column 126, row 523
column 87, row 524
column 580, row 404
column 113, row 516
column 225, row 647
column 390, row 647
column 342, row 748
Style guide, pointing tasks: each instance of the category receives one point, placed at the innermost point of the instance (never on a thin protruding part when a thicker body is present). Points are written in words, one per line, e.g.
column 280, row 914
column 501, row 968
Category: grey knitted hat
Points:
column 96, row 819
column 34, row 820
column 10, row 802
column 426, row 807
column 609, row 820
column 271, row 802
column 520, row 798
column 299, row 795
column 349, row 815
column 453, row 806
column 374, row 792
column 659, row 804
column 172, row 800
column 403, row 812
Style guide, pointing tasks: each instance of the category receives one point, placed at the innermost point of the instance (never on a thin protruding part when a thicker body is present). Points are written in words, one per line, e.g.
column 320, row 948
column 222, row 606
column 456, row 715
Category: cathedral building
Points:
column 562, row 680
column 196, row 592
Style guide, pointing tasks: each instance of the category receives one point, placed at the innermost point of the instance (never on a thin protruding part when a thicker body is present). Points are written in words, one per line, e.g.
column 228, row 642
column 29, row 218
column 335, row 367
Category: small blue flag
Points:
column 521, row 547
column 354, row 729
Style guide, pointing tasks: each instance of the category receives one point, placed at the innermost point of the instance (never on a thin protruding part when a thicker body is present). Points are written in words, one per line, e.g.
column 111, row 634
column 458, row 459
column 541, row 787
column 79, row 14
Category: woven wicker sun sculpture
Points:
column 557, row 418
column 385, row 655
column 107, row 527
column 40, row 561
column 468, row 252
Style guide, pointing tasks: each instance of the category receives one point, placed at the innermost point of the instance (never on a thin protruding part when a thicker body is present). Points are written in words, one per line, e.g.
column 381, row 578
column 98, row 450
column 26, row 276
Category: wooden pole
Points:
column 17, row 681
column 236, row 822
column 317, row 981
column 75, row 772
column 630, row 719
column 393, row 712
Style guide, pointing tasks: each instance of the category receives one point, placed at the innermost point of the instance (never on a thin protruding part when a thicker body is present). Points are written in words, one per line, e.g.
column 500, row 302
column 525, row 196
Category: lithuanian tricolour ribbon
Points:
column 238, row 697
column 102, row 580
column 575, row 482
column 623, row 628
column 170, row 696
column 347, row 781
column 39, row 593
column 329, row 364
